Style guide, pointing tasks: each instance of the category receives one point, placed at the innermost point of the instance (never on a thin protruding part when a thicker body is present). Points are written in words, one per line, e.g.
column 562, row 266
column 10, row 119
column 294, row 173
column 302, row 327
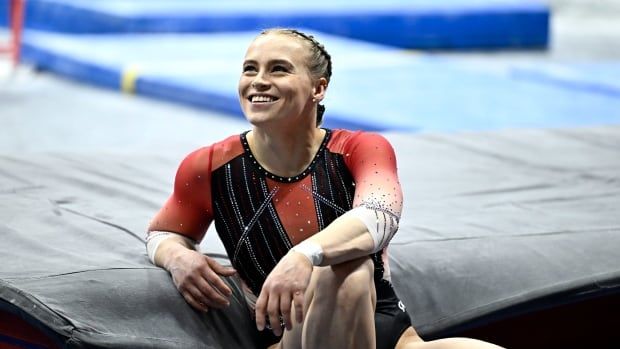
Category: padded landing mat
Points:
column 494, row 224
column 404, row 23
column 374, row 87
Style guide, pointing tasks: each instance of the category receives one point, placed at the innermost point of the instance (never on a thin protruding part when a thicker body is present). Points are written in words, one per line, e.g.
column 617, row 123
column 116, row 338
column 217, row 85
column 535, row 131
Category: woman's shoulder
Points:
column 216, row 154
column 342, row 140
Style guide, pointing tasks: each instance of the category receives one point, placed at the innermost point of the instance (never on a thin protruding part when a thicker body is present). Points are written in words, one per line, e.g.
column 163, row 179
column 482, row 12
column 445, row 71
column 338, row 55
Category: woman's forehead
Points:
column 276, row 46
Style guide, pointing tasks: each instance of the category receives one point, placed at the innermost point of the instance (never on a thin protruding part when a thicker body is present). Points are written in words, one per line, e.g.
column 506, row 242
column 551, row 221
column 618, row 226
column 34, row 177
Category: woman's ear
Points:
column 320, row 88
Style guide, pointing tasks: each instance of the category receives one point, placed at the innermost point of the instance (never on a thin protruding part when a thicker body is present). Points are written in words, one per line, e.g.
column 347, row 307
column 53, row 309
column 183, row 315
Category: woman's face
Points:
column 275, row 84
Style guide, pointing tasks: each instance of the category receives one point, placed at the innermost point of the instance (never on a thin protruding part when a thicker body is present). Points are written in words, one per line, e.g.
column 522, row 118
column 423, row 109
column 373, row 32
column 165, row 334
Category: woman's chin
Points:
column 259, row 119
column 262, row 116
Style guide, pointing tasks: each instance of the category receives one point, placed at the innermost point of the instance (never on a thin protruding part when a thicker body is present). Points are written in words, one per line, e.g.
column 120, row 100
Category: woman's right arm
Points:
column 178, row 226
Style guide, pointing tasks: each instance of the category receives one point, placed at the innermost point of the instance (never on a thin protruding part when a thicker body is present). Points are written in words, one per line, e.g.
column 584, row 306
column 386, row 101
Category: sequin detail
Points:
column 250, row 225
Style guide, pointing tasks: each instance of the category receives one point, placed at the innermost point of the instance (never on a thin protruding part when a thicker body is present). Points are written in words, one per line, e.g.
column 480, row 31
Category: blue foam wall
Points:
column 463, row 24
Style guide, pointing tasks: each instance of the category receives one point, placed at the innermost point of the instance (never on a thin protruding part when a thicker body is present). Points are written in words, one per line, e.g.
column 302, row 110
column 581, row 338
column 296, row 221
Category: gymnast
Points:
column 305, row 213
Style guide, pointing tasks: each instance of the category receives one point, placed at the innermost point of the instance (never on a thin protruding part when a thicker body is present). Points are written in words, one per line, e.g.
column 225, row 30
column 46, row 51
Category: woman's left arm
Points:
column 377, row 205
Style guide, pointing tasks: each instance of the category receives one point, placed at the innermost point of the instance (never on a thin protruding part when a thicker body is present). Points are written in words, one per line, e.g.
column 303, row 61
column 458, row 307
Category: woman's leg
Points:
column 339, row 309
column 411, row 340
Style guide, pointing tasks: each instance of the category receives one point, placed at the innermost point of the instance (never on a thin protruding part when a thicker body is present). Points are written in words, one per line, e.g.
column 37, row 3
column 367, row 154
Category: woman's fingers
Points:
column 284, row 286
column 194, row 276
column 194, row 303
column 214, row 297
column 202, row 298
column 260, row 310
column 277, row 308
column 220, row 269
column 273, row 311
column 210, row 273
column 285, row 310
column 298, row 301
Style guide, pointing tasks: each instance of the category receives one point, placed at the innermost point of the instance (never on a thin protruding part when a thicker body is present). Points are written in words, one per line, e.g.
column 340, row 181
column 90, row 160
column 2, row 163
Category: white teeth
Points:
column 258, row 99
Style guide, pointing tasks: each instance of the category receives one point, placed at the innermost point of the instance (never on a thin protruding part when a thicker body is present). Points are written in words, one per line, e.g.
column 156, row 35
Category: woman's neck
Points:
column 285, row 153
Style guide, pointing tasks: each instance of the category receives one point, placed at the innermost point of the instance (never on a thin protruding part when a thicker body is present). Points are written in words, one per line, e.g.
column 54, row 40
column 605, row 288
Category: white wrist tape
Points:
column 381, row 224
column 310, row 249
column 155, row 238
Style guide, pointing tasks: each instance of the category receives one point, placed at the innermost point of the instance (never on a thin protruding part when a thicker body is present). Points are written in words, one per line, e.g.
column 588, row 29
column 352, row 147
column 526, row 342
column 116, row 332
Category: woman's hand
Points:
column 284, row 286
column 198, row 279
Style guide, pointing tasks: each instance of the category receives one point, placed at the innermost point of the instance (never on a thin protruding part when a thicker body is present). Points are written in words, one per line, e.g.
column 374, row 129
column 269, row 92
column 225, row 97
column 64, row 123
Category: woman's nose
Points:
column 259, row 82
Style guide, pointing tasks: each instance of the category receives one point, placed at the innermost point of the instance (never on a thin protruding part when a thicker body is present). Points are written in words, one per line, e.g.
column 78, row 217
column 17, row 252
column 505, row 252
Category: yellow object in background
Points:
column 128, row 79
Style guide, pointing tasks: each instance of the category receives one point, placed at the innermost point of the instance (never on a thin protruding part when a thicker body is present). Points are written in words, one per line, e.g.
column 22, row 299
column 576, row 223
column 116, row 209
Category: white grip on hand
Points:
column 310, row 249
column 154, row 238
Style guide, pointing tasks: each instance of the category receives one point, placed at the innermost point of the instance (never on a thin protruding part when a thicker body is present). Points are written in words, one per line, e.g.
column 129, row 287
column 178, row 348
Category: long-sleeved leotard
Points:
column 259, row 216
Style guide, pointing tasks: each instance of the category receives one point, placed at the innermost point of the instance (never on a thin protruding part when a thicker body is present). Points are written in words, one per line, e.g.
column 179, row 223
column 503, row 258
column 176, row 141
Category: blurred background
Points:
column 118, row 74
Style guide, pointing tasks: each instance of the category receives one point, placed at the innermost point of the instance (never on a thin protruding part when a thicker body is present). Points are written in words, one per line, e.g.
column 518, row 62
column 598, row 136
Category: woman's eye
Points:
column 248, row 68
column 279, row 68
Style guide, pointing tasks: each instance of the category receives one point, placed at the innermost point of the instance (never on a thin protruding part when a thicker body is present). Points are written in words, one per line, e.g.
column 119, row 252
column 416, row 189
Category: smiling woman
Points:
column 305, row 213
column 284, row 77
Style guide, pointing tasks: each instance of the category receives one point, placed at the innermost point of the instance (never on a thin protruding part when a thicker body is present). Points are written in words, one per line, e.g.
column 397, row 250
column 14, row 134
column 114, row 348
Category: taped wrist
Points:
column 381, row 223
column 310, row 249
column 155, row 238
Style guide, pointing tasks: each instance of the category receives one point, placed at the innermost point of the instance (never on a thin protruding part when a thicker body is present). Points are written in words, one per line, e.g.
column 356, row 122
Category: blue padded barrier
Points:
column 373, row 87
column 4, row 13
column 455, row 24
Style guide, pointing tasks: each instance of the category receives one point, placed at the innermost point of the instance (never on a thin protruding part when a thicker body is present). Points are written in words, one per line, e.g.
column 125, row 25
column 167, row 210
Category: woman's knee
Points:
column 347, row 282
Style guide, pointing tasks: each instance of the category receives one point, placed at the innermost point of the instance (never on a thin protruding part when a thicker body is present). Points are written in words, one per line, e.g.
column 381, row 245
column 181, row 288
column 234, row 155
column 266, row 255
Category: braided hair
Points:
column 320, row 62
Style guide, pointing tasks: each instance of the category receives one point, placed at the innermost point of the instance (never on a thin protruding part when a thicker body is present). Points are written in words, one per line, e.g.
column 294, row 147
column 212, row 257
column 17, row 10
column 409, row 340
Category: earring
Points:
column 313, row 100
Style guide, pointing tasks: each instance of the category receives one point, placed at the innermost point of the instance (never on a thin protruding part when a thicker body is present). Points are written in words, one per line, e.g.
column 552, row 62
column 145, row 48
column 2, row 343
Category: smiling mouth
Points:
column 262, row 99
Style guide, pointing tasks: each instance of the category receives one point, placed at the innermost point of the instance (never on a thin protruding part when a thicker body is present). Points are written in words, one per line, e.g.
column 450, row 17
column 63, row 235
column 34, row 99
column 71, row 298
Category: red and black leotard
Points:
column 259, row 216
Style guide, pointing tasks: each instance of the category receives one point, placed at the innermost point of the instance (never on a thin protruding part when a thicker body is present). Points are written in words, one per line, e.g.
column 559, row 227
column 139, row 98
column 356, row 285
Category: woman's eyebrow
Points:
column 280, row 61
column 271, row 62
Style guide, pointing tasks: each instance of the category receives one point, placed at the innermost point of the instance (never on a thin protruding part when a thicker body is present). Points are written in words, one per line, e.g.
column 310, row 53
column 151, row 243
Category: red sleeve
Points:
column 188, row 210
column 372, row 163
